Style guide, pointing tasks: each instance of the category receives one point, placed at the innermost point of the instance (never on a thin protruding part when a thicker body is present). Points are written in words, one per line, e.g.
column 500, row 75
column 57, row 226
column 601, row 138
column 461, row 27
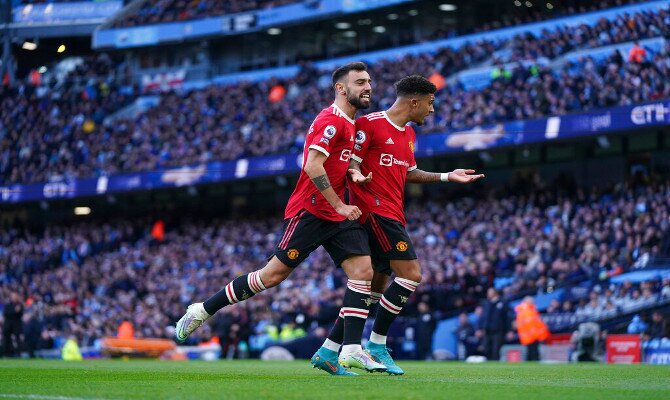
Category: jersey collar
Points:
column 391, row 122
column 342, row 114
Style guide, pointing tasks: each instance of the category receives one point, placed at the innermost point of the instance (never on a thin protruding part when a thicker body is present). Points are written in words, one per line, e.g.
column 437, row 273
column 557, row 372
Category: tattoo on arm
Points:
column 419, row 176
column 322, row 183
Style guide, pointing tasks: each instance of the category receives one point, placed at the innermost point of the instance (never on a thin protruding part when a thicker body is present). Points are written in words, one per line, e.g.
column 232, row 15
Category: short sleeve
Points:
column 361, row 141
column 324, row 136
column 412, row 148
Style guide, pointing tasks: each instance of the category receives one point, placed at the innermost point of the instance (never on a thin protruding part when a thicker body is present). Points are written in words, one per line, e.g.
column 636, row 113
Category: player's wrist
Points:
column 444, row 176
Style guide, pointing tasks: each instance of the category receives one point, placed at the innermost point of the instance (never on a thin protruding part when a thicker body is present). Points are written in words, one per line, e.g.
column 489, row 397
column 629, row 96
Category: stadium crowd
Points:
column 62, row 135
column 608, row 301
column 84, row 280
column 160, row 11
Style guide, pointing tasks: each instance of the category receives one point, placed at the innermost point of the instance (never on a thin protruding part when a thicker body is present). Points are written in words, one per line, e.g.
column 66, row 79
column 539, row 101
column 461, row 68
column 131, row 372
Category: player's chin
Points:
column 363, row 103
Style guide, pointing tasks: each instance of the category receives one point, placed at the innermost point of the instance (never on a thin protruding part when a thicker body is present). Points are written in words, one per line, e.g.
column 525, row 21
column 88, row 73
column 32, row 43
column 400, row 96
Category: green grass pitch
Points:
column 58, row 380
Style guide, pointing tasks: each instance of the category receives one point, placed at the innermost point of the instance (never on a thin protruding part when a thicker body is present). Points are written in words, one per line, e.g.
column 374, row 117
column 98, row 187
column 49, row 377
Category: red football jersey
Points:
column 386, row 150
column 331, row 133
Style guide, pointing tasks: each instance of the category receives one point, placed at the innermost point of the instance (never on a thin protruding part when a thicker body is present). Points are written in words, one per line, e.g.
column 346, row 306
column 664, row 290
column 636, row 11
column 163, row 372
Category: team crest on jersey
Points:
column 292, row 254
column 360, row 137
column 401, row 246
column 346, row 155
column 330, row 131
column 411, row 146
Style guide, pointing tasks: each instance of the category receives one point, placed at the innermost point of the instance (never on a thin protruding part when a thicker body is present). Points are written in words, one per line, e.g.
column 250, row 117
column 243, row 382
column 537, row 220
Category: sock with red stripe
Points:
column 390, row 305
column 355, row 309
column 240, row 289
column 336, row 335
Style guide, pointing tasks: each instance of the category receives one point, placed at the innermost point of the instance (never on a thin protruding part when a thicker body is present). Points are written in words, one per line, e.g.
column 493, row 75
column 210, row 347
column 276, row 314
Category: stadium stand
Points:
column 161, row 11
column 84, row 280
column 233, row 121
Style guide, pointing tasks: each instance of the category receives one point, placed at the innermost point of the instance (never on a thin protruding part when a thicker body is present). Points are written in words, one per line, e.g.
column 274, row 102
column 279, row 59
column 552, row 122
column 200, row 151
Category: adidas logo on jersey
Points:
column 389, row 141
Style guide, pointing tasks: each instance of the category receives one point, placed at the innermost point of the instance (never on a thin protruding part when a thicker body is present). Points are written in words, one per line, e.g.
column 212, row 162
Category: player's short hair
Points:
column 414, row 85
column 343, row 71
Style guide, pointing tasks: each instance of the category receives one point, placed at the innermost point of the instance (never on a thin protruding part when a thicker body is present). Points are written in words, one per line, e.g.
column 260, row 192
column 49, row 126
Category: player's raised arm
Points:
column 317, row 173
column 458, row 175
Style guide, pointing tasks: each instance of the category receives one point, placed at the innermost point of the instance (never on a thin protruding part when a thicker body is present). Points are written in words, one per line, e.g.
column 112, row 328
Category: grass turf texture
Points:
column 287, row 380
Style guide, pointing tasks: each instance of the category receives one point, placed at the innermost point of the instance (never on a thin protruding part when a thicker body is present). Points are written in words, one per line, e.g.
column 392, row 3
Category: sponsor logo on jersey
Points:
column 346, row 154
column 292, row 254
column 386, row 160
column 329, row 132
column 389, row 141
column 401, row 246
column 411, row 146
column 360, row 137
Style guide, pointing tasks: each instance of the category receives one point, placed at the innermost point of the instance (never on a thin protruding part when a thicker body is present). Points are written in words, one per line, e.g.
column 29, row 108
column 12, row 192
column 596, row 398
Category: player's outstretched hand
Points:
column 357, row 177
column 464, row 176
column 352, row 213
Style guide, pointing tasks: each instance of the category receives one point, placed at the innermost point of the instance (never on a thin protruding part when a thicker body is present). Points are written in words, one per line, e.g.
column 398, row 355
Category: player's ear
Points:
column 340, row 88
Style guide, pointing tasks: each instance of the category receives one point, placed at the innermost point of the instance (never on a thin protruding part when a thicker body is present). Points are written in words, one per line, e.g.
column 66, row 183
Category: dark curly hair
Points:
column 414, row 85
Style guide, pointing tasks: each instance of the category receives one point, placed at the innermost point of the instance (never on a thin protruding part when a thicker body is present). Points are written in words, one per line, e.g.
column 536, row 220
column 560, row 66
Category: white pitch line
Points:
column 43, row 397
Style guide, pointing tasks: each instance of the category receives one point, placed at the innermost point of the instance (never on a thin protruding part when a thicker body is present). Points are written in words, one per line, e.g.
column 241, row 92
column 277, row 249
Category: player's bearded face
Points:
column 359, row 91
column 359, row 99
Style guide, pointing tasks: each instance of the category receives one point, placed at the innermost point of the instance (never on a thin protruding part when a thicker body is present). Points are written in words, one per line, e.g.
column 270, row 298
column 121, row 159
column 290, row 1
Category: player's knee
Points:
column 361, row 273
column 274, row 273
column 412, row 273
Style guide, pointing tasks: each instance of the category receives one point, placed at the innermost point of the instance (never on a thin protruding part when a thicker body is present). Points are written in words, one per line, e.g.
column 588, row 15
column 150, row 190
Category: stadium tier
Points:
column 85, row 279
column 161, row 11
column 244, row 120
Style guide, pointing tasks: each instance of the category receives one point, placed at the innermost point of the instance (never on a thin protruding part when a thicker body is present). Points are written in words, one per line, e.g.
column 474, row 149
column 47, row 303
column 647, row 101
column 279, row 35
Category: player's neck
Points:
column 345, row 106
column 397, row 115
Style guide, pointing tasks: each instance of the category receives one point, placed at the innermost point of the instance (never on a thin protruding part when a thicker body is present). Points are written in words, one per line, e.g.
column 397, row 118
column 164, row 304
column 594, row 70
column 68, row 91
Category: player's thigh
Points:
column 349, row 249
column 301, row 235
column 390, row 243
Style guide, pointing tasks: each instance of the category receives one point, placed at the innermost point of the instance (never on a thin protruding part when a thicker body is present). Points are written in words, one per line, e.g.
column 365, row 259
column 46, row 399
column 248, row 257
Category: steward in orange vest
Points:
column 530, row 326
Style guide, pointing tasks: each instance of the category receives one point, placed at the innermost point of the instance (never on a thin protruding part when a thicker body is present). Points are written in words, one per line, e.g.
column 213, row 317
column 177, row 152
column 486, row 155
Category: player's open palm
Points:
column 464, row 176
column 358, row 177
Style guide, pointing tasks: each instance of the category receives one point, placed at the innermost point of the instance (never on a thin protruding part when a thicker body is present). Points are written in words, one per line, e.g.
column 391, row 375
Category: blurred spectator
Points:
column 637, row 53
column 658, row 326
column 12, row 328
column 468, row 337
column 636, row 326
column 495, row 323
column 424, row 331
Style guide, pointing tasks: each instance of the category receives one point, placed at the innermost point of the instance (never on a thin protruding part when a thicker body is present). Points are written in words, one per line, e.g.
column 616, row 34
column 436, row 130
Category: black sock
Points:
column 391, row 304
column 355, row 309
column 336, row 334
column 240, row 289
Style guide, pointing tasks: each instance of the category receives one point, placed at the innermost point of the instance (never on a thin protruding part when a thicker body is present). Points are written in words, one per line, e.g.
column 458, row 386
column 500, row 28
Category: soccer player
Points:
column 316, row 215
column 384, row 150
